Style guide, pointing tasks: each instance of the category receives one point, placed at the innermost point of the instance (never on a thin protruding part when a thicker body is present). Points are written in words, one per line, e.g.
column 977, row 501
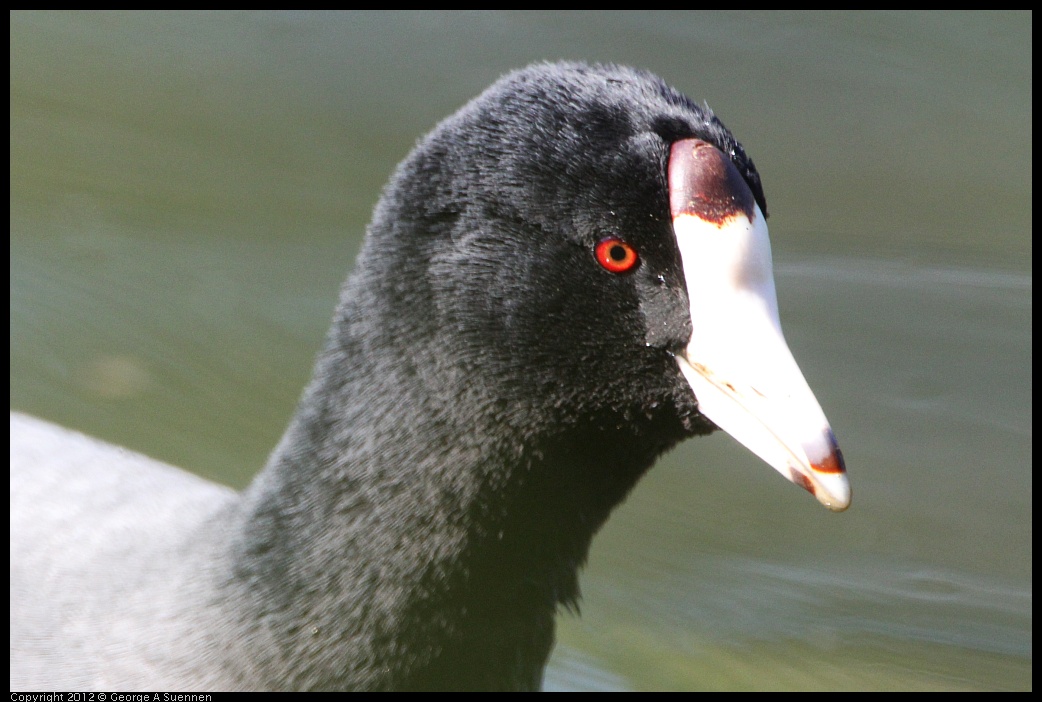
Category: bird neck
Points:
column 395, row 539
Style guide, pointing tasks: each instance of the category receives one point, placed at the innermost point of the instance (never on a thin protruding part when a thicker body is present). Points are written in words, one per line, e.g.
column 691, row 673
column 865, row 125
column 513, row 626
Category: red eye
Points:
column 616, row 255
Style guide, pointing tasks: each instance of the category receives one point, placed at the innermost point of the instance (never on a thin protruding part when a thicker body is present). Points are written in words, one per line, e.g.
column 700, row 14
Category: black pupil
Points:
column 618, row 252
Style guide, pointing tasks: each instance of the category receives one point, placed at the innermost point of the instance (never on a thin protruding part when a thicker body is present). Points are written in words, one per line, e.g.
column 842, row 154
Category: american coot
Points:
column 563, row 280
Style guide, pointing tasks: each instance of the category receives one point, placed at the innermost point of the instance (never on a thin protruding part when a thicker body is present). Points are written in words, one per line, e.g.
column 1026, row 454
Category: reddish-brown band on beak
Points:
column 737, row 362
